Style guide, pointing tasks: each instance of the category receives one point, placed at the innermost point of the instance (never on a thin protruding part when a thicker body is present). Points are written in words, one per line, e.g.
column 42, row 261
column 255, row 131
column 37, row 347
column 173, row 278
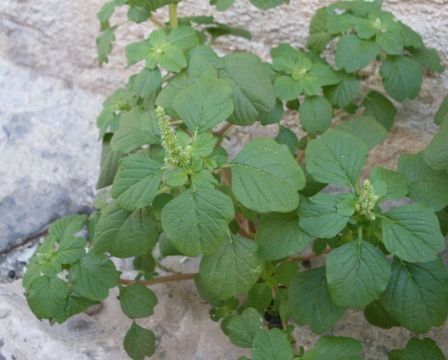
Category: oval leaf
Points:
column 265, row 177
column 412, row 232
column 231, row 270
column 196, row 222
column 357, row 273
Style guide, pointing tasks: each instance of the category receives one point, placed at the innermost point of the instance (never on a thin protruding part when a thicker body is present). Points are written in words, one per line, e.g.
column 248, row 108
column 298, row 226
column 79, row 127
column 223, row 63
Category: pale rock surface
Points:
column 49, row 151
column 181, row 323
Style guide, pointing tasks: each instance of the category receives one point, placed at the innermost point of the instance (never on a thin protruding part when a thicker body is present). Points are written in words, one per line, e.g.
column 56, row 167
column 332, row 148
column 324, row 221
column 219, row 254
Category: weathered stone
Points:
column 181, row 323
column 49, row 148
column 58, row 38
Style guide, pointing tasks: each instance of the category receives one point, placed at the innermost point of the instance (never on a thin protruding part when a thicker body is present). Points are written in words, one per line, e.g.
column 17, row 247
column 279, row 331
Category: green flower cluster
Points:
column 367, row 201
column 175, row 154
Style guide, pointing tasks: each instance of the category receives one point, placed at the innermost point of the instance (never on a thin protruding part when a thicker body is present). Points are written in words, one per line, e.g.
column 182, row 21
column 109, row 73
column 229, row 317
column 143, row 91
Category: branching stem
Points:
column 160, row 279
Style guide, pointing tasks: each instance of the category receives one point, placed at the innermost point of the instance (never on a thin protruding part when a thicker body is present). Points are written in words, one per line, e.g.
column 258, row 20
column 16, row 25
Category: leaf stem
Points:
column 159, row 279
column 360, row 232
column 172, row 8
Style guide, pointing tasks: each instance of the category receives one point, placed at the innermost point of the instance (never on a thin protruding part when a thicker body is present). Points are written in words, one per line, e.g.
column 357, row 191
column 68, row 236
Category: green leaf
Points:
column 315, row 114
column 337, row 157
column 137, row 182
column 410, row 37
column 426, row 185
column 253, row 93
column 345, row 92
column 242, row 328
column 287, row 88
column 402, row 77
column 442, row 113
column 183, row 37
column 163, row 49
column 139, row 342
column 124, row 234
column 61, row 246
column 205, row 104
column 289, row 138
column 380, row 107
column 388, row 184
column 138, row 51
column 365, row 128
column 114, row 107
column 376, row 314
column 70, row 250
column 46, row 297
column 265, row 177
column 219, row 29
column 325, row 215
column 271, row 345
column 104, row 44
column 146, row 82
column 175, row 177
column 422, row 349
column 93, row 276
column 338, row 348
column 279, row 236
column 204, row 144
column 310, row 302
column 412, row 232
column 67, row 226
column 268, row 4
column 390, row 42
column 274, row 116
column 138, row 14
column 259, row 297
column 436, row 153
column 357, row 273
column 429, row 58
column 222, row 5
column 108, row 163
column 196, row 222
column 417, row 294
column 353, row 54
column 137, row 128
column 231, row 270
column 107, row 10
column 137, row 301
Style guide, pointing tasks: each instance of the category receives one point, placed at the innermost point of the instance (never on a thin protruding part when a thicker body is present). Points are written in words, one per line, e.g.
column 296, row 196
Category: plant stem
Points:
column 173, row 15
column 308, row 257
column 222, row 131
column 160, row 279
column 159, row 23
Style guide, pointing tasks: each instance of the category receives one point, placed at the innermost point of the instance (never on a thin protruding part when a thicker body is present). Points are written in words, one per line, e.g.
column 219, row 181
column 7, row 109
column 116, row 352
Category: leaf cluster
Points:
column 253, row 219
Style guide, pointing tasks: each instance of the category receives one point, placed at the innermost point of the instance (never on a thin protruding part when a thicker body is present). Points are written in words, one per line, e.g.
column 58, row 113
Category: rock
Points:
column 58, row 38
column 181, row 323
column 49, row 148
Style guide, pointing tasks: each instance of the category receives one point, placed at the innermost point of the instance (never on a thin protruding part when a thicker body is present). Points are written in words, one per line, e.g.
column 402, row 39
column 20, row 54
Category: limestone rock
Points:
column 50, row 153
column 181, row 323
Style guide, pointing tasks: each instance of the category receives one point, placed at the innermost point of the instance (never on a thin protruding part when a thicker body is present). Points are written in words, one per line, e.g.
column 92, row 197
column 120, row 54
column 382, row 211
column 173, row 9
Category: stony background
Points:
column 51, row 89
